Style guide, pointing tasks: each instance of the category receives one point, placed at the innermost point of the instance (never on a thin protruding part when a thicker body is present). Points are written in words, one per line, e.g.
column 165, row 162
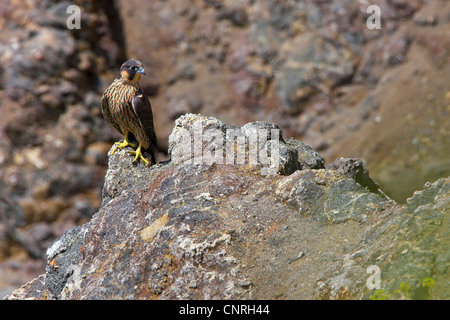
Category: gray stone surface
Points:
column 218, row 231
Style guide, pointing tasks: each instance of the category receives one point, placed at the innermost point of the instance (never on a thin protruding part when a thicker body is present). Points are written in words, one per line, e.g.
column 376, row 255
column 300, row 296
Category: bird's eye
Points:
column 134, row 68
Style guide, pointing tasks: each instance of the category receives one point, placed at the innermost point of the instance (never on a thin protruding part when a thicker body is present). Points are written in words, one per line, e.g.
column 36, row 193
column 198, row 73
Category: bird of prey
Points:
column 128, row 110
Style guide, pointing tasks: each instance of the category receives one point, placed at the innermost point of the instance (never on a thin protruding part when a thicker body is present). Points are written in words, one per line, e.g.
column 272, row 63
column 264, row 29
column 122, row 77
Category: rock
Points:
column 395, row 51
column 238, row 16
column 314, row 65
column 355, row 169
column 24, row 293
column 413, row 238
column 206, row 139
column 12, row 217
column 308, row 158
column 293, row 63
column 180, row 230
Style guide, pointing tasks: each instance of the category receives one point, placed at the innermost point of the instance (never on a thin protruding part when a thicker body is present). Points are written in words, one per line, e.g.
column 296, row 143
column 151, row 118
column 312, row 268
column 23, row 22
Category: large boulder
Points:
column 182, row 230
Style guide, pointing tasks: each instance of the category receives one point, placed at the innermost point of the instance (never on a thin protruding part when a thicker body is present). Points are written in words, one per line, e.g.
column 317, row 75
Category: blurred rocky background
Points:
column 312, row 67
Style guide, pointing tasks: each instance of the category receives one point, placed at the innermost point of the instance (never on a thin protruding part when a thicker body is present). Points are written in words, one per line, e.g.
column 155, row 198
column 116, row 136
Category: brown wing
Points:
column 107, row 113
column 143, row 110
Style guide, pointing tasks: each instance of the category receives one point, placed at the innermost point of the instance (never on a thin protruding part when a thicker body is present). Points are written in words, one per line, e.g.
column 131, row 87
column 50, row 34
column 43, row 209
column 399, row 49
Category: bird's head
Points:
column 131, row 70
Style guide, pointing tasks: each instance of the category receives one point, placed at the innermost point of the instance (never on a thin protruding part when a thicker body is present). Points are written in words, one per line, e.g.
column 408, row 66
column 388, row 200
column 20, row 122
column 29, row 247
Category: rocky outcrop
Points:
column 180, row 230
column 311, row 67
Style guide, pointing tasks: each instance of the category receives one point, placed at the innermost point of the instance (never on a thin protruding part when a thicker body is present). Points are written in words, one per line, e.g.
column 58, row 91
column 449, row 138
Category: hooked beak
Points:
column 141, row 70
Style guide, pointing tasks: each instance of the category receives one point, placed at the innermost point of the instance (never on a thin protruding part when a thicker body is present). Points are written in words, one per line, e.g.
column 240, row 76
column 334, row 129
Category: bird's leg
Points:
column 125, row 143
column 138, row 154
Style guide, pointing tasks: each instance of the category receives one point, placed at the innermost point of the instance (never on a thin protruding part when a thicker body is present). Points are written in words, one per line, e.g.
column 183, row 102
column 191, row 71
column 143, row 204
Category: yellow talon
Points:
column 138, row 154
column 124, row 144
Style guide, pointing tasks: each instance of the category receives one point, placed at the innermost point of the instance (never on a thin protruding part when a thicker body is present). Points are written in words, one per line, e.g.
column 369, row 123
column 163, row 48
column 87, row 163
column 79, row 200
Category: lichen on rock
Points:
column 207, row 230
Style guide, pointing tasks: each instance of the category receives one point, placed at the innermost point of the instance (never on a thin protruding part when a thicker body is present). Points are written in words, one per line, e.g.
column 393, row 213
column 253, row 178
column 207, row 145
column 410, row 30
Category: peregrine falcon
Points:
column 128, row 110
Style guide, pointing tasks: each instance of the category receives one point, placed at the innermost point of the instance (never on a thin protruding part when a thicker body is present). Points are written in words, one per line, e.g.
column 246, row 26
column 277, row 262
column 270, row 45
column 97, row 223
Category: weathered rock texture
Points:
column 221, row 231
column 312, row 67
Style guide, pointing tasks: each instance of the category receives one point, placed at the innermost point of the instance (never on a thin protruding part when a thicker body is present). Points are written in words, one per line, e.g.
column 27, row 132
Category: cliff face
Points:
column 296, row 230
